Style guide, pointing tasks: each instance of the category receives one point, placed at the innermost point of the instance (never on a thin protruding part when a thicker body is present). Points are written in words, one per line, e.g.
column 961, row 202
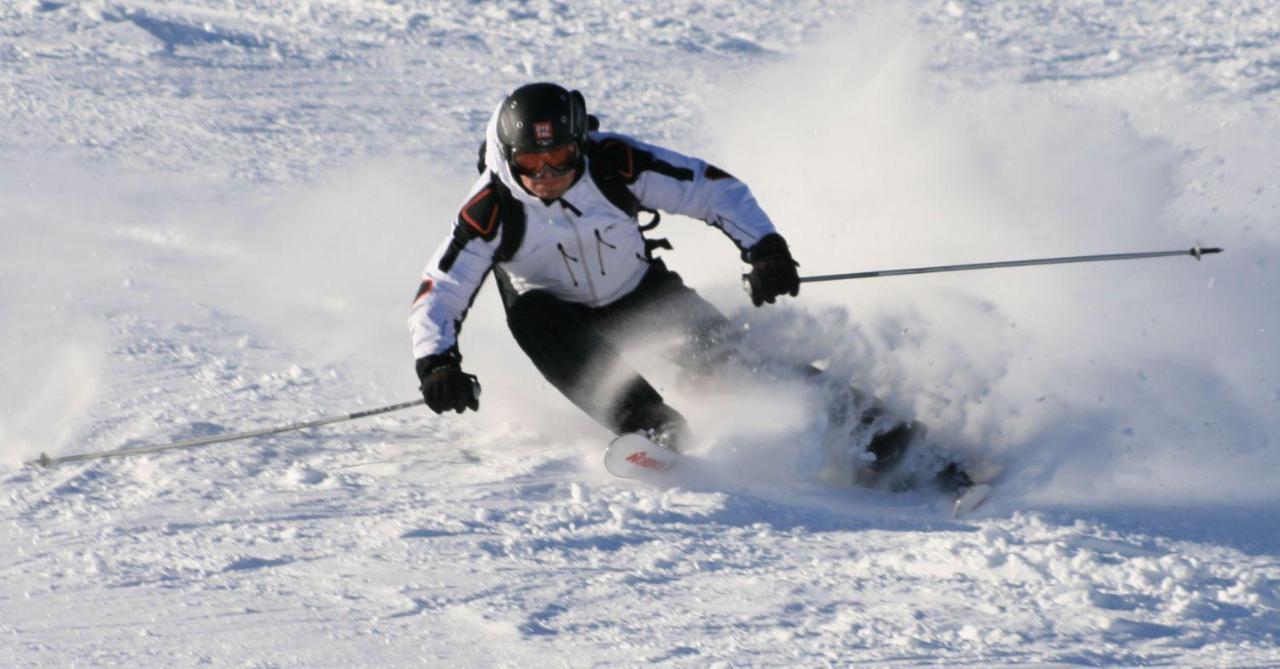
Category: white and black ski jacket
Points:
column 585, row 247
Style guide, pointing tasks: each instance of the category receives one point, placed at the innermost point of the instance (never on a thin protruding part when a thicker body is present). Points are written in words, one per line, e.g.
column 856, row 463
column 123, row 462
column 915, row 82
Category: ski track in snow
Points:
column 213, row 213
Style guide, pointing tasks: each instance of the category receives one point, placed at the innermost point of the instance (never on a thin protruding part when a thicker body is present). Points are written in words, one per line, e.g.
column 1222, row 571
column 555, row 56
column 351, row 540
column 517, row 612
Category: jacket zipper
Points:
column 600, row 251
column 591, row 287
column 564, row 255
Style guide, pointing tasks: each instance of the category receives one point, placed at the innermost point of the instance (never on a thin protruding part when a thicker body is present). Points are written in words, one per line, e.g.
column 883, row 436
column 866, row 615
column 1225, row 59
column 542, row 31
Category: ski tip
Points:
column 972, row 498
column 633, row 456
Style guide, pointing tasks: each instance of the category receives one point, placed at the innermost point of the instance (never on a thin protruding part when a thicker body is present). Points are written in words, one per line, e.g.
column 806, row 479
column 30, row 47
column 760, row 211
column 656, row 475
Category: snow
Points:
column 214, row 214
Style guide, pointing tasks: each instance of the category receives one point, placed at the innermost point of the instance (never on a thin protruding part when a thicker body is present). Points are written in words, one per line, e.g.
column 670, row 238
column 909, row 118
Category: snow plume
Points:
column 333, row 264
column 46, row 399
column 1115, row 383
column 54, row 342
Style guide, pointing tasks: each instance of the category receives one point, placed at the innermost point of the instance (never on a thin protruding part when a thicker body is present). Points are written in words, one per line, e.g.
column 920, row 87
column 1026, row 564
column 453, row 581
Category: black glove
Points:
column 773, row 271
column 445, row 386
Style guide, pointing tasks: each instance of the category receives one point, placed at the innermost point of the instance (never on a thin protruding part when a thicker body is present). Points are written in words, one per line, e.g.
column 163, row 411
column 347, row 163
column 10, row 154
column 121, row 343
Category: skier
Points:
column 555, row 216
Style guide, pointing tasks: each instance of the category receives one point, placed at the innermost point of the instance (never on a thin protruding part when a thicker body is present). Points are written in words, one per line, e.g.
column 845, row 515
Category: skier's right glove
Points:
column 773, row 271
column 445, row 386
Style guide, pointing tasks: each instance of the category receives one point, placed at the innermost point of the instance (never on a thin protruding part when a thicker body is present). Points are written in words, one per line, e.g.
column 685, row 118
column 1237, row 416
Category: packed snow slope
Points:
column 214, row 214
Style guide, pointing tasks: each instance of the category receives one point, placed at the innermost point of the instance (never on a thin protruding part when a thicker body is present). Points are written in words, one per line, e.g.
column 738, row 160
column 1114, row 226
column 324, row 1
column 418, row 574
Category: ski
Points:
column 970, row 498
column 633, row 456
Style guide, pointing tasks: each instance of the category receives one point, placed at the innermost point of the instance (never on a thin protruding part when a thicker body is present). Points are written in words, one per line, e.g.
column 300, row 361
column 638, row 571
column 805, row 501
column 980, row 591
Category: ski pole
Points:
column 1196, row 252
column 45, row 461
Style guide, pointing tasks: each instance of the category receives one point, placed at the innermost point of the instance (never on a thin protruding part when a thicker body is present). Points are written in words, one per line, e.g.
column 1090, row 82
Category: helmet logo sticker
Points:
column 542, row 130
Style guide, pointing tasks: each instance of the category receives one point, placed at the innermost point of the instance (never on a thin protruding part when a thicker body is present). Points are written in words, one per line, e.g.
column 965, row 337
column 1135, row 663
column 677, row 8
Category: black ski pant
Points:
column 577, row 348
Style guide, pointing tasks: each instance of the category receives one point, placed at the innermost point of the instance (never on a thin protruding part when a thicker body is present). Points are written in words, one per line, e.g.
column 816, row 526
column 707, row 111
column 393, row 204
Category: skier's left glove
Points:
column 773, row 271
column 445, row 387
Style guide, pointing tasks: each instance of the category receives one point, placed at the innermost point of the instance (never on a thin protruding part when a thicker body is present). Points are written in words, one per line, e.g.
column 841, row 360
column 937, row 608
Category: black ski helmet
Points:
column 540, row 116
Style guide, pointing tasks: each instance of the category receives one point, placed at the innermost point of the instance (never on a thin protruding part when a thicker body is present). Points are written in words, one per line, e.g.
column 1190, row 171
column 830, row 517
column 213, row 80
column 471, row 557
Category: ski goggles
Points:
column 552, row 162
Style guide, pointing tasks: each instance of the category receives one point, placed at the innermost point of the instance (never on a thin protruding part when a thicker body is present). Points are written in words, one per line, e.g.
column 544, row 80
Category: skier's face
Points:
column 548, row 187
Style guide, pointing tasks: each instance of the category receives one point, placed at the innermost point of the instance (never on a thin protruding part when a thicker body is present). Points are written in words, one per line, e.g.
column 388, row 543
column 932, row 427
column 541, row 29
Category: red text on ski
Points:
column 642, row 459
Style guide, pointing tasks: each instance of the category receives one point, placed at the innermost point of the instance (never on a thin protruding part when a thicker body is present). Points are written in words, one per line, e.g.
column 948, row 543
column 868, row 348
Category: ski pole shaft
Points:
column 45, row 461
column 1196, row 252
